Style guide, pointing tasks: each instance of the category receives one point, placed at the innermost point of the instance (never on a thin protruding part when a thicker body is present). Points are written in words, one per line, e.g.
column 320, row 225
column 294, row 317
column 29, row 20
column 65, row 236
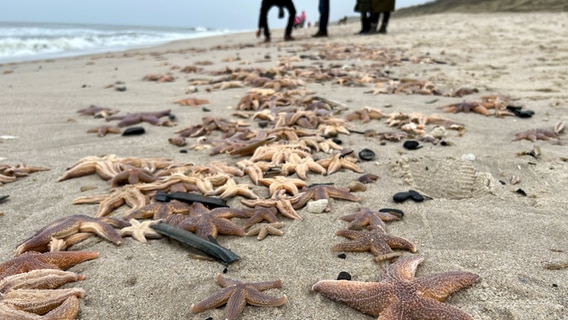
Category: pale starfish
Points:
column 255, row 170
column 337, row 162
column 192, row 102
column 32, row 295
column 50, row 260
column 279, row 201
column 106, row 167
column 67, row 226
column 96, row 111
column 102, row 131
column 135, row 118
column 232, row 189
column 140, row 230
column 301, row 166
column 541, row 134
column 400, row 295
column 129, row 194
column 376, row 240
column 282, row 183
column 264, row 229
column 237, row 294
column 365, row 114
column 322, row 191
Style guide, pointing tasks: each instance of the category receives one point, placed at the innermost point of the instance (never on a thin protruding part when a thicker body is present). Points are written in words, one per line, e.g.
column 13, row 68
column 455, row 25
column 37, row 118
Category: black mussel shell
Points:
column 396, row 212
column 401, row 197
column 411, row 145
column 523, row 113
column 132, row 131
column 262, row 124
column 366, row 154
column 521, row 192
column 514, row 108
column 344, row 276
column 4, row 197
column 337, row 141
column 368, row 178
column 414, row 195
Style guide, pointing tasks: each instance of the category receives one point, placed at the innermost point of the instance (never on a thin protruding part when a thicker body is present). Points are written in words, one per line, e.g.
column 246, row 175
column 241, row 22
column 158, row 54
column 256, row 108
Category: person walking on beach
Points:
column 323, row 19
column 364, row 7
column 263, row 18
column 381, row 8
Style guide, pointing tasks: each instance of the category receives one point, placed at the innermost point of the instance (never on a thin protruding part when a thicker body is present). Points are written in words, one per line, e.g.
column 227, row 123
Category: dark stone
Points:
column 342, row 256
column 337, row 141
column 183, row 151
column 411, row 145
column 120, row 88
column 344, row 276
column 414, row 195
column 521, row 192
column 366, row 154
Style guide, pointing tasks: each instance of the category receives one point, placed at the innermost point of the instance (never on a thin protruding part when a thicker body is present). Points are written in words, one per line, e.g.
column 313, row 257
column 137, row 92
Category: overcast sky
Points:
column 218, row 14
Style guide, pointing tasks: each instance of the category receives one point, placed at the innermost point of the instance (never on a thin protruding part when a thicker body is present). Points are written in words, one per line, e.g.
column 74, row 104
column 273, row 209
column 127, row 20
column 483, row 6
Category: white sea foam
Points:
column 21, row 41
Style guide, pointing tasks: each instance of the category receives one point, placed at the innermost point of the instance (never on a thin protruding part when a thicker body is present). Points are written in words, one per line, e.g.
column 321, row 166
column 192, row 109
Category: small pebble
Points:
column 414, row 195
column 183, row 151
column 468, row 156
column 521, row 192
column 342, row 256
column 366, row 154
column 411, row 145
column 134, row 131
column 343, row 275
column 206, row 109
column 401, row 197
column 317, row 206
column 357, row 186
column 120, row 88
column 337, row 141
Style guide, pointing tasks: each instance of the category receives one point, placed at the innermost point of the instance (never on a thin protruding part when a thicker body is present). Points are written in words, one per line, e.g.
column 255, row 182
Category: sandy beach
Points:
column 475, row 221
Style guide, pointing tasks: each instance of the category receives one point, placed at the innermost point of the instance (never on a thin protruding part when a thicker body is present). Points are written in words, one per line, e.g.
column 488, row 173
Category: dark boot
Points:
column 384, row 23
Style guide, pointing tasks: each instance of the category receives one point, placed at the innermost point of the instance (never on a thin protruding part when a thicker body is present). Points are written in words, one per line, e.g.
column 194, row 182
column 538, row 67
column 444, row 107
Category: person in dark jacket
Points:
column 381, row 8
column 323, row 20
column 263, row 18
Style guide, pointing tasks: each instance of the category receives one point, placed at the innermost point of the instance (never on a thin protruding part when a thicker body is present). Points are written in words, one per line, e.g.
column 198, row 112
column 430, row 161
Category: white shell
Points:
column 317, row 206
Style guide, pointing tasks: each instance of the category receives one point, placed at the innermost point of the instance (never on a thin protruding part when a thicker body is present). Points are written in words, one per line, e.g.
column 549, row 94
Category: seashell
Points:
column 177, row 141
column 120, row 88
column 134, row 131
column 366, row 154
column 411, row 145
column 4, row 197
column 396, row 212
column 357, row 186
column 368, row 178
column 401, row 197
column 414, row 195
column 515, row 180
column 523, row 113
column 468, row 157
column 317, row 206
column 87, row 188
column 438, row 132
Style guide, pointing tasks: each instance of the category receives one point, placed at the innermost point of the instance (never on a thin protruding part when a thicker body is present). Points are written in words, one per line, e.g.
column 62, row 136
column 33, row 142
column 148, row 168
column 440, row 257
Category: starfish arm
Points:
column 38, row 279
column 368, row 297
column 359, row 245
column 67, row 310
column 78, row 170
column 224, row 226
column 422, row 309
column 102, row 229
column 403, row 269
column 440, row 285
column 400, row 243
column 59, row 229
column 40, row 301
column 214, row 301
column 260, row 299
column 265, row 285
column 286, row 209
column 342, row 193
column 300, row 200
column 235, row 305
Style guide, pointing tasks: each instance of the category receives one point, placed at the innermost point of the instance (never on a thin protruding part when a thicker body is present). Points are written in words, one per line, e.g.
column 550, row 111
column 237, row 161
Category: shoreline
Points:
column 485, row 227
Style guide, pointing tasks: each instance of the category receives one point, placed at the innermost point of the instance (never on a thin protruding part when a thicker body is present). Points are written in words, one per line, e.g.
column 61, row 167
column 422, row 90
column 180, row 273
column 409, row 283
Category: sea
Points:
column 37, row 41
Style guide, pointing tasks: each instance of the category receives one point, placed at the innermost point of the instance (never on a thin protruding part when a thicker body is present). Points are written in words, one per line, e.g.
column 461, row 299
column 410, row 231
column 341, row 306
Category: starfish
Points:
column 367, row 217
column 237, row 294
column 337, row 162
column 399, row 295
column 50, row 260
column 231, row 189
column 31, row 294
column 366, row 114
column 128, row 194
column 204, row 222
column 322, row 191
column 264, row 229
column 97, row 112
column 255, row 170
column 132, row 175
column 102, row 131
column 135, row 118
column 65, row 227
column 140, row 230
column 375, row 240
column 192, row 102
column 282, row 183
column 279, row 201
column 259, row 214
column 106, row 167
column 158, row 210
column 301, row 166
column 466, row 107
column 541, row 134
